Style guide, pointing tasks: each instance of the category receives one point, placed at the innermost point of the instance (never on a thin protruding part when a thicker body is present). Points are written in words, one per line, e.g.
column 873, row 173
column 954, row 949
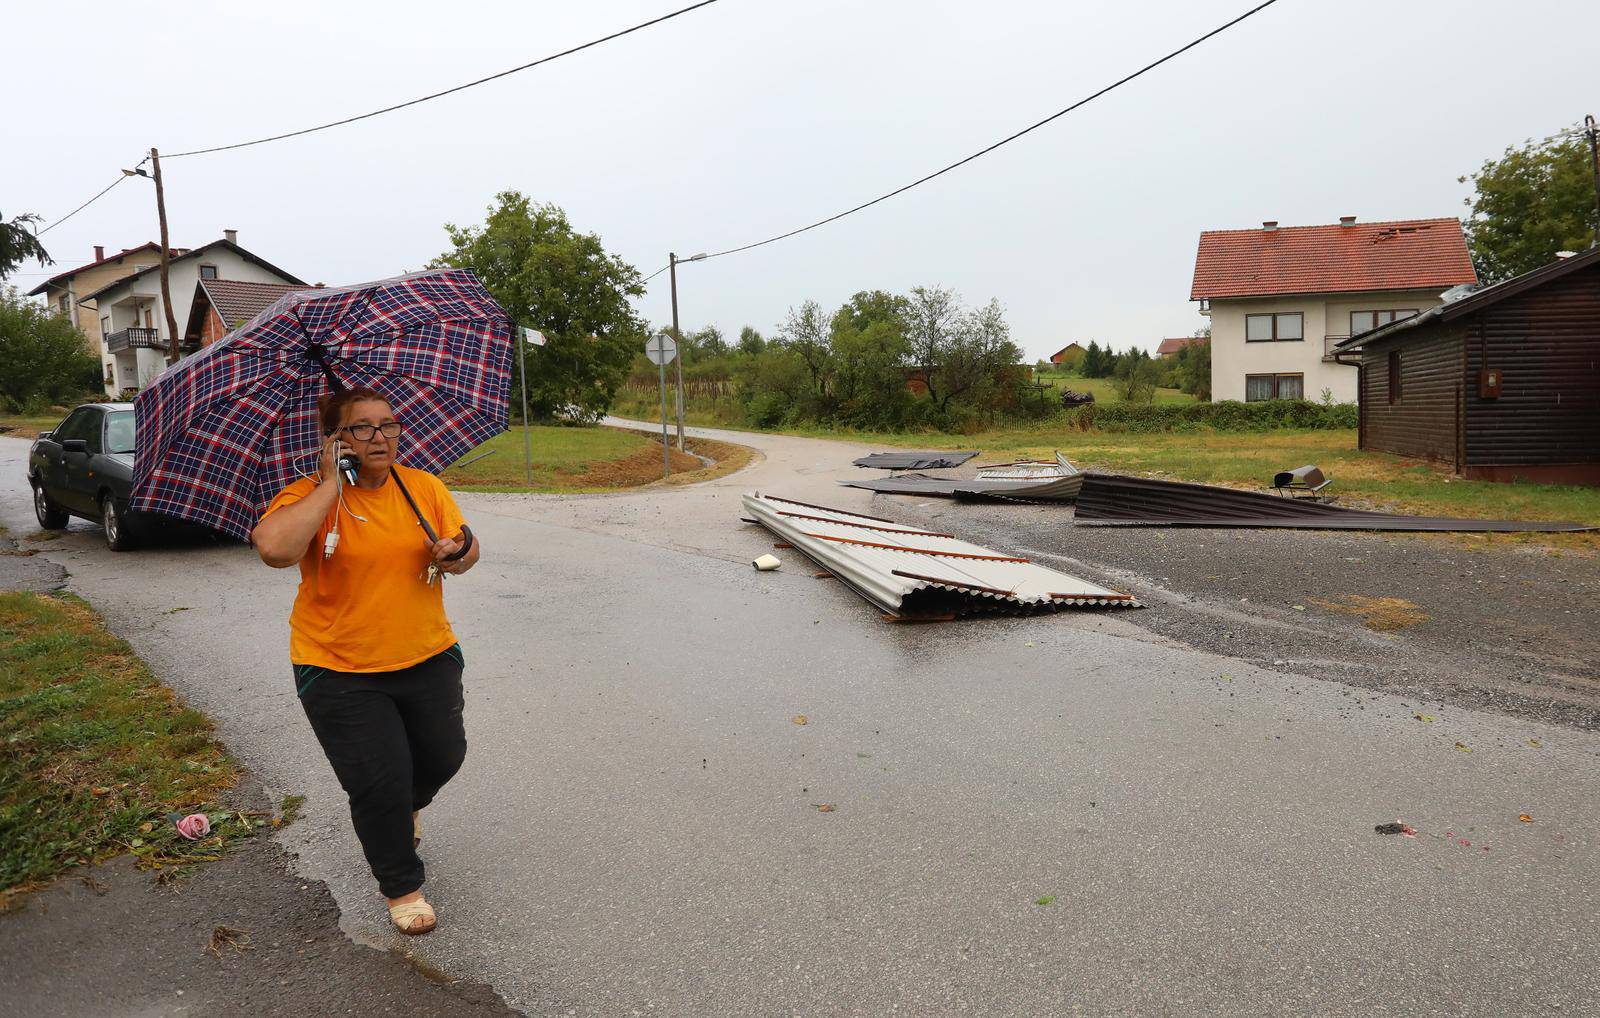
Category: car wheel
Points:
column 50, row 515
column 114, row 520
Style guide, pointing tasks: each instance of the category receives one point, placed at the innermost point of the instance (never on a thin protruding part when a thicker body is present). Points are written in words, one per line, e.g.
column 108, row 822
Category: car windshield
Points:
column 119, row 431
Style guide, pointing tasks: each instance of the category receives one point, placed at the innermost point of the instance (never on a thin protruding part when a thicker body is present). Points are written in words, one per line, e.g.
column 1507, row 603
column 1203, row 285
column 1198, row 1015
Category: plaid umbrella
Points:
column 221, row 433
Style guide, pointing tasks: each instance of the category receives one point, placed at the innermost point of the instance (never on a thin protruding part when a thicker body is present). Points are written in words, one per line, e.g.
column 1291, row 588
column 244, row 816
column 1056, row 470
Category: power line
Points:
column 448, row 91
column 1003, row 141
column 80, row 208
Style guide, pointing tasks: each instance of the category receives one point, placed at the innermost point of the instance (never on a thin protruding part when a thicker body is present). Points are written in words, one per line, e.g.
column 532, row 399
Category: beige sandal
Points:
column 414, row 918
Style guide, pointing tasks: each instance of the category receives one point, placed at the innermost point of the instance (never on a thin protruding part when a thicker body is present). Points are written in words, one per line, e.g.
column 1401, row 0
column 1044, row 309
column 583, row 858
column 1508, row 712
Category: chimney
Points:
column 99, row 252
column 1347, row 220
column 232, row 236
column 1268, row 225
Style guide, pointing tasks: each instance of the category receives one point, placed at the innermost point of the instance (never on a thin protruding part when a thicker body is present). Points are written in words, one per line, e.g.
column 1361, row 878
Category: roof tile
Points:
column 1402, row 255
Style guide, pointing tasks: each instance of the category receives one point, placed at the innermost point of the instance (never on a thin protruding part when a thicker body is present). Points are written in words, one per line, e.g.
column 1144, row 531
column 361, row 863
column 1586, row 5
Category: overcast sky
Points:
column 751, row 117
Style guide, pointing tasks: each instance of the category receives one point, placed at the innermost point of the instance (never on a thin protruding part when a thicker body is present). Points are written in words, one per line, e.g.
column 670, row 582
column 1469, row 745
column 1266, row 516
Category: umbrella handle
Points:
column 466, row 531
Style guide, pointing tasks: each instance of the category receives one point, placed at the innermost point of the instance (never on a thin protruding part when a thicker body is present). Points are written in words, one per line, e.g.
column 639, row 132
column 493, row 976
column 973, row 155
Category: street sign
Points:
column 533, row 336
column 661, row 349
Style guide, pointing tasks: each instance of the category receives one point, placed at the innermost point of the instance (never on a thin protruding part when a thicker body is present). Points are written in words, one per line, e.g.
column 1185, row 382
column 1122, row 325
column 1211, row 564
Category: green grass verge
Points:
column 1104, row 389
column 577, row 460
column 97, row 754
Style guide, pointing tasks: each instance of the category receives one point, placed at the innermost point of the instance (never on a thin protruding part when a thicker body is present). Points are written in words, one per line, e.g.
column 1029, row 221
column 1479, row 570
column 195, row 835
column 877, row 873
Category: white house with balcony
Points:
column 133, row 320
column 1279, row 298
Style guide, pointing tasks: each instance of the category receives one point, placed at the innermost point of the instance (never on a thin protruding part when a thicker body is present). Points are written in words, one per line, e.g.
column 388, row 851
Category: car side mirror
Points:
column 45, row 434
column 76, row 445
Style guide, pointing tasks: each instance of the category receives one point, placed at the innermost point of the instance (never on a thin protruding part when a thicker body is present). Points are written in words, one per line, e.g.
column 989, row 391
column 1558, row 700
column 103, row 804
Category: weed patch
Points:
column 98, row 756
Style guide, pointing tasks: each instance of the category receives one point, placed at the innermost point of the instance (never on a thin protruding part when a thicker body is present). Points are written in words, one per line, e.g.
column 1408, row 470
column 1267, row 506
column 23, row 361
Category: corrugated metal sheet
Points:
column 915, row 460
column 1108, row 498
column 910, row 573
column 1029, row 470
column 1058, row 489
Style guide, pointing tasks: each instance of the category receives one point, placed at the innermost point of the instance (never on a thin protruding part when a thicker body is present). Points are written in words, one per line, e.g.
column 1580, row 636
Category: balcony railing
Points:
column 130, row 338
column 1328, row 343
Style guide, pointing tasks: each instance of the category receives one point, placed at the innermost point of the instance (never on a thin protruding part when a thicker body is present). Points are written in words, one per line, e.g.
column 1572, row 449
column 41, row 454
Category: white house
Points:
column 1279, row 298
column 133, row 321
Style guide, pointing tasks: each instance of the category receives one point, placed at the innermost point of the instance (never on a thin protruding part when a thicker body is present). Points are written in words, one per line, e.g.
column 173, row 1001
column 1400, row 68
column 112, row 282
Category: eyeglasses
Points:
column 364, row 432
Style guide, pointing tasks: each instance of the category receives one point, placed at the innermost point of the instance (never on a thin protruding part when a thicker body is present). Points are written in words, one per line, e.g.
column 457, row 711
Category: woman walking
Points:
column 376, row 666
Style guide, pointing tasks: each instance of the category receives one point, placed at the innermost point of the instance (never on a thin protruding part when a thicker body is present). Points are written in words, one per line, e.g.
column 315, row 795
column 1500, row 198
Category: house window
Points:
column 1260, row 387
column 1394, row 376
column 208, row 272
column 65, row 304
column 1364, row 321
column 1274, row 328
column 105, row 326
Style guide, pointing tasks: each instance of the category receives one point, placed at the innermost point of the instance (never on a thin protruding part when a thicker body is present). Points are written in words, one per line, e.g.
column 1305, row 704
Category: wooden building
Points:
column 1503, row 384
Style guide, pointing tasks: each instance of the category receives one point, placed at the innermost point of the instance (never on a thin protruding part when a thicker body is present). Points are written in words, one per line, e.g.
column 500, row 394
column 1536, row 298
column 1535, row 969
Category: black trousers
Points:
column 394, row 739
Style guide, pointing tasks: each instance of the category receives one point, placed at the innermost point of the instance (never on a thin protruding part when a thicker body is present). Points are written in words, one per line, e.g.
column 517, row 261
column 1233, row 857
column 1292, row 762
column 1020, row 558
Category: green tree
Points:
column 751, row 342
column 708, row 342
column 1136, row 377
column 980, row 351
column 806, row 333
column 44, row 359
column 18, row 244
column 1192, row 370
column 1096, row 361
column 1530, row 203
column 933, row 323
column 868, row 340
column 566, row 285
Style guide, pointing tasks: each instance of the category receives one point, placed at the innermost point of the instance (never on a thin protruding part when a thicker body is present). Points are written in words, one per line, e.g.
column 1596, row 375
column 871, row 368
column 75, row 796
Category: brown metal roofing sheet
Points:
column 1111, row 498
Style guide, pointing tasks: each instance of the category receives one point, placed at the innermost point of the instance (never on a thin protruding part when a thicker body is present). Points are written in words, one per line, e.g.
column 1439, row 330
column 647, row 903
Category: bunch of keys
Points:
column 431, row 575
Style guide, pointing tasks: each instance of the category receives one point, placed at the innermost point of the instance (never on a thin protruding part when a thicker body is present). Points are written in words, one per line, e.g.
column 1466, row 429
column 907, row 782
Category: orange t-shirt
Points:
column 367, row 608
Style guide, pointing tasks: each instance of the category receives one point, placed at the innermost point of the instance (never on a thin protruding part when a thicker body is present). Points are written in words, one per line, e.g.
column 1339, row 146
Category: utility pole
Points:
column 174, row 339
column 672, row 261
column 1589, row 128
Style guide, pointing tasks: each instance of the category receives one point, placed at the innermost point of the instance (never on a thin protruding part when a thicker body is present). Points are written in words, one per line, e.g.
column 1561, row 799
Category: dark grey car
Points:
column 84, row 468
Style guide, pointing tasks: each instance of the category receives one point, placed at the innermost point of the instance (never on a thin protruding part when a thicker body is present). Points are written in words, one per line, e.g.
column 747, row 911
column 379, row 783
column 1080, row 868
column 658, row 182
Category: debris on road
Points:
column 914, row 460
column 766, row 563
column 1308, row 479
column 1022, row 481
column 801, row 719
column 923, row 575
column 1144, row 501
column 1396, row 828
column 823, row 807
column 1525, row 818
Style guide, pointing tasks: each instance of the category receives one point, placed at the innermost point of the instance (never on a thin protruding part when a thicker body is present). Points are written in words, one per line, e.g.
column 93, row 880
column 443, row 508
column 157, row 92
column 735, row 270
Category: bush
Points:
column 1228, row 415
column 44, row 359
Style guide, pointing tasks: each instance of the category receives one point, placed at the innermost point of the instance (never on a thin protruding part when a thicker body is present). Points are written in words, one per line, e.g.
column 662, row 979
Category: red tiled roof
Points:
column 1173, row 345
column 148, row 245
column 237, row 301
column 1405, row 255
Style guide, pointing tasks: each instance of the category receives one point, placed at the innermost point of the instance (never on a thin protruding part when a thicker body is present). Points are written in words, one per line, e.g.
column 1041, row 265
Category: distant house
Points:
column 65, row 290
column 1170, row 348
column 1503, row 384
column 222, row 305
column 1068, row 356
column 1279, row 299
column 133, row 323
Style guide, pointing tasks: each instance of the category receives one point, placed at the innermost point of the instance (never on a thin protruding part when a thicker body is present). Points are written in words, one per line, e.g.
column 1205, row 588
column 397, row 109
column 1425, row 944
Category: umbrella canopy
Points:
column 219, row 434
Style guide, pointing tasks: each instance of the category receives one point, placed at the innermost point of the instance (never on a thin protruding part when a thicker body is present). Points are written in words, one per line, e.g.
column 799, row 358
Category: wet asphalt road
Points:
column 636, row 828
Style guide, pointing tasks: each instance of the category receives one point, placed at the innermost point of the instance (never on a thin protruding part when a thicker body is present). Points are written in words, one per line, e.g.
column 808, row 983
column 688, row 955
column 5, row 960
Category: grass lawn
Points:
column 587, row 460
column 1104, row 389
column 98, row 754
column 29, row 427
